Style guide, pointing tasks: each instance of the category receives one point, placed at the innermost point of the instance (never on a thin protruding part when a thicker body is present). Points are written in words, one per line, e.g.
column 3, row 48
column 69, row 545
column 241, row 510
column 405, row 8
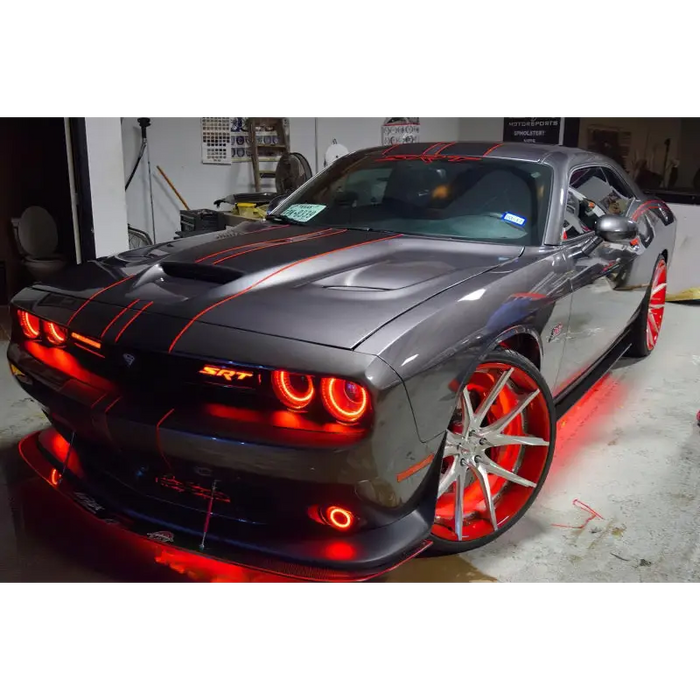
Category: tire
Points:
column 647, row 326
column 472, row 453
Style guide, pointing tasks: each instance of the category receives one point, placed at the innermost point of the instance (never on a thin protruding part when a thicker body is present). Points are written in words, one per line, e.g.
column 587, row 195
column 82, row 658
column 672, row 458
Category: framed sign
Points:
column 532, row 129
column 397, row 130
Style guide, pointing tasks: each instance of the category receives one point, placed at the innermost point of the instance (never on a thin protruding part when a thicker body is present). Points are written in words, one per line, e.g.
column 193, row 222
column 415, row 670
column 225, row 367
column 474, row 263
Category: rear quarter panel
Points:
column 435, row 347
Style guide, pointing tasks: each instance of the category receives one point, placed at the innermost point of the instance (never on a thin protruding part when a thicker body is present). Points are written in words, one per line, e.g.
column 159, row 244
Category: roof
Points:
column 534, row 152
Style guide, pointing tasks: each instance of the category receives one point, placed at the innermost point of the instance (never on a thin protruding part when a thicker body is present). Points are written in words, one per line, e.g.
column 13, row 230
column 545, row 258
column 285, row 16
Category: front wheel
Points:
column 498, row 449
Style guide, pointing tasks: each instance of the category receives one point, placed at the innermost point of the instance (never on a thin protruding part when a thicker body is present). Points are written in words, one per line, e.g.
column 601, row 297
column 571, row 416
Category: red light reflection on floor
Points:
column 125, row 556
column 202, row 569
column 584, row 422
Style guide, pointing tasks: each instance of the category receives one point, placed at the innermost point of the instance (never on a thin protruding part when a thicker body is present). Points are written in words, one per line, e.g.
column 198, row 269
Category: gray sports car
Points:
column 375, row 371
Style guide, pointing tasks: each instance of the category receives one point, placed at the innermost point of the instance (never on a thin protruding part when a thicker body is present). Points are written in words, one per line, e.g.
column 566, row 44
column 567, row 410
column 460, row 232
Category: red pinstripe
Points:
column 131, row 320
column 447, row 145
column 492, row 149
column 296, row 240
column 160, row 448
column 245, row 245
column 267, row 277
column 96, row 294
column 116, row 318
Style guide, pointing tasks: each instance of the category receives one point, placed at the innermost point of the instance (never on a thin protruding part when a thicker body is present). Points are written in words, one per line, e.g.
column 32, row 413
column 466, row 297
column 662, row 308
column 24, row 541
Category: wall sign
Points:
column 532, row 129
column 226, row 140
column 397, row 130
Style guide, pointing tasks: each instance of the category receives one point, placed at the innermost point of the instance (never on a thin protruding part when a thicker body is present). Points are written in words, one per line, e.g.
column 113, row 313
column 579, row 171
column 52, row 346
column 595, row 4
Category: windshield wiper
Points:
column 367, row 229
column 282, row 219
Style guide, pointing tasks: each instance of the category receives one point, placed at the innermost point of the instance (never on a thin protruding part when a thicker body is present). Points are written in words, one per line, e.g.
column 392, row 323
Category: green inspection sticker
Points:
column 303, row 212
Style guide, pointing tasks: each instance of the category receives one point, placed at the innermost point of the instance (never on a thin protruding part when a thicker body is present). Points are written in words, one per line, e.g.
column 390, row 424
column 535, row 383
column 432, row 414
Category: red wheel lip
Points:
column 519, row 497
column 659, row 276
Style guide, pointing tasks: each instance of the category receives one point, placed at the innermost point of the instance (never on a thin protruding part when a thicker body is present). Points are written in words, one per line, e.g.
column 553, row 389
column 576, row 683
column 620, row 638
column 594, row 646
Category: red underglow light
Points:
column 295, row 391
column 345, row 401
column 339, row 518
column 56, row 444
column 583, row 425
column 340, row 551
column 60, row 360
column 30, row 324
column 54, row 333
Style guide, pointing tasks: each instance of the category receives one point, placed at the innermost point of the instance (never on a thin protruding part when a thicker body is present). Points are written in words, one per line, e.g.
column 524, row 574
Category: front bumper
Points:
column 359, row 556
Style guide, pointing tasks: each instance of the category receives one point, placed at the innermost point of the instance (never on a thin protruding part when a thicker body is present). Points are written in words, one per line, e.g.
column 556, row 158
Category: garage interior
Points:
column 620, row 502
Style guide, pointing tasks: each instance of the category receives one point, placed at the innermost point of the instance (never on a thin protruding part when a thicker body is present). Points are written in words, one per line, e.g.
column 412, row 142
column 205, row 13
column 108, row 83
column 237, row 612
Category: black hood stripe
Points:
column 259, row 245
column 131, row 320
column 245, row 245
column 117, row 317
column 315, row 234
column 269, row 276
column 132, row 311
column 96, row 294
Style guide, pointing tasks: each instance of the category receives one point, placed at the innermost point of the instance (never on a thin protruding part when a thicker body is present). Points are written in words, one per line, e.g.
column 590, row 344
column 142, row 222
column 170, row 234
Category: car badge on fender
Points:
column 129, row 359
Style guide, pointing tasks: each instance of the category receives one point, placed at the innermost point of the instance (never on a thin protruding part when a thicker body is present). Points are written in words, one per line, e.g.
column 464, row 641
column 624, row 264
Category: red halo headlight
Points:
column 54, row 333
column 344, row 400
column 30, row 324
column 293, row 390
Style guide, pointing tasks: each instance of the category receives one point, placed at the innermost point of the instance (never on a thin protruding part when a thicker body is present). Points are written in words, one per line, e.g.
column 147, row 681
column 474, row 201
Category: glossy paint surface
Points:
column 406, row 317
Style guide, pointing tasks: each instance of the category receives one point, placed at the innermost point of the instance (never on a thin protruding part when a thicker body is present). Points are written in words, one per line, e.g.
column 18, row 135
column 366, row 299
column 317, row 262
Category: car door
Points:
column 602, row 303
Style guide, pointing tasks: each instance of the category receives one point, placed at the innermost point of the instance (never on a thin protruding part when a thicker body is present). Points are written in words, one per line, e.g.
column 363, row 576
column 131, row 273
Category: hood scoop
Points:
column 200, row 273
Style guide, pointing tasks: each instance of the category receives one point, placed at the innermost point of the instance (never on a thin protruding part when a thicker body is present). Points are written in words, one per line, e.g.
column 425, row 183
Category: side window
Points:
column 619, row 197
column 592, row 193
column 587, row 186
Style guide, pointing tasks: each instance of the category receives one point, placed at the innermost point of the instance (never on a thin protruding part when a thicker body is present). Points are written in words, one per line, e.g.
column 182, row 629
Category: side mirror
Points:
column 275, row 202
column 616, row 229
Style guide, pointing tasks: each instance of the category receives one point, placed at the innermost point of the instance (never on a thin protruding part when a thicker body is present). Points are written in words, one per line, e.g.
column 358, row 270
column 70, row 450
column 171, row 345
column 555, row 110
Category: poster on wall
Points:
column 532, row 129
column 397, row 130
column 226, row 140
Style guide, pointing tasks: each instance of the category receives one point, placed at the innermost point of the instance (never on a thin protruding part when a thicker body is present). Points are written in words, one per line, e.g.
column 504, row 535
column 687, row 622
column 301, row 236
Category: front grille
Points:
column 237, row 496
column 156, row 377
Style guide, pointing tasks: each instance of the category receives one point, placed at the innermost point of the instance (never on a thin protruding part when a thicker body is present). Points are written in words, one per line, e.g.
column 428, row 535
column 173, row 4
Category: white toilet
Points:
column 36, row 237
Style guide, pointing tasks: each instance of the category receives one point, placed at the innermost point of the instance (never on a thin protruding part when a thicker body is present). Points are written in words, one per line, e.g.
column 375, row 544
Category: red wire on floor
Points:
column 582, row 506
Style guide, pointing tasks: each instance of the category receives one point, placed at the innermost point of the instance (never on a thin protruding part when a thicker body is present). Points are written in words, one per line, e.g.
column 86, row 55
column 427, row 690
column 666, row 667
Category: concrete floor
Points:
column 629, row 451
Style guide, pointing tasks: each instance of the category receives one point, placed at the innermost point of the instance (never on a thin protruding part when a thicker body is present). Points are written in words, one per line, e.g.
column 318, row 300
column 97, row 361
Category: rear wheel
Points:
column 646, row 329
column 498, row 448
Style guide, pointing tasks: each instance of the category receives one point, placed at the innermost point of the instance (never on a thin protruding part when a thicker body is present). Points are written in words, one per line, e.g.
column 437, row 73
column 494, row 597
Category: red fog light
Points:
column 339, row 518
column 54, row 333
column 345, row 401
column 293, row 390
column 30, row 324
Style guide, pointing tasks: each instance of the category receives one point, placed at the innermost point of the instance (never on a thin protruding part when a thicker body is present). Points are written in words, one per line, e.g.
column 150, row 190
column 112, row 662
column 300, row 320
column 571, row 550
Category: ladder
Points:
column 278, row 149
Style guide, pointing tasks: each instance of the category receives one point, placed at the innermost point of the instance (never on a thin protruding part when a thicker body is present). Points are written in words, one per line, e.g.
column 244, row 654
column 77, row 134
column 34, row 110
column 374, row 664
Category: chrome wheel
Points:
column 657, row 303
column 497, row 449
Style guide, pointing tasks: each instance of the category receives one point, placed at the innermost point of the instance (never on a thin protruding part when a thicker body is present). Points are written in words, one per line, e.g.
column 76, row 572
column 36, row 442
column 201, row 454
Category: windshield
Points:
column 492, row 200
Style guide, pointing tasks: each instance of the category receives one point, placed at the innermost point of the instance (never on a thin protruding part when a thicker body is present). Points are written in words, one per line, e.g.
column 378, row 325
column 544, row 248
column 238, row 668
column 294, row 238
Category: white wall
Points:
column 481, row 129
column 105, row 164
column 175, row 145
column 684, row 272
